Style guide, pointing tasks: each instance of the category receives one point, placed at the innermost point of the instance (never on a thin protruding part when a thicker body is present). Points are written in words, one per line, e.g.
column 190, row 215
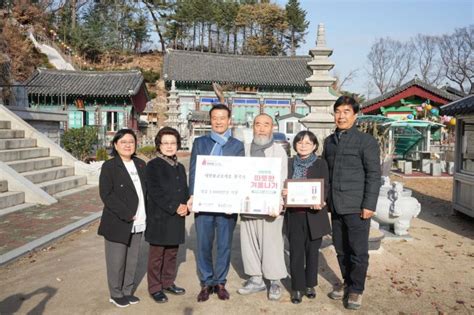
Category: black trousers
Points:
column 350, row 236
column 304, row 252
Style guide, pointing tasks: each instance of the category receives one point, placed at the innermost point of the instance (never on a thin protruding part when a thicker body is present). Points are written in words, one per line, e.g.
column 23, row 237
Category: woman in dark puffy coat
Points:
column 166, row 212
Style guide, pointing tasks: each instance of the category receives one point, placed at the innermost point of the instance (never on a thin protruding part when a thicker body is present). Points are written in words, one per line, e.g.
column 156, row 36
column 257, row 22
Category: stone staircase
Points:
column 10, row 198
column 35, row 164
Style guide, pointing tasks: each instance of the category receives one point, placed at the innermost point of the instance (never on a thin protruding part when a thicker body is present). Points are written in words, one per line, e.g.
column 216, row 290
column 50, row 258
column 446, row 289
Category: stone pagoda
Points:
column 173, row 108
column 320, row 119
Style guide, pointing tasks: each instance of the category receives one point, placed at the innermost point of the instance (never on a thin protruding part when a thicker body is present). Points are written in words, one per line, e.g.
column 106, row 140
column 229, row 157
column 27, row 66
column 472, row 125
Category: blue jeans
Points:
column 207, row 225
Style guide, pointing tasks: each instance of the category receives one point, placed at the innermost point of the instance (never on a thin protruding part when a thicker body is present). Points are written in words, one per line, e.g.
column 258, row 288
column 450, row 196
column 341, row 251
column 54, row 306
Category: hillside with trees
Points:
column 96, row 32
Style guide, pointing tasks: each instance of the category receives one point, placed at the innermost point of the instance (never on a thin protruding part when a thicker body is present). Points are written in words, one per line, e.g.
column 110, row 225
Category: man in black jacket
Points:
column 354, row 171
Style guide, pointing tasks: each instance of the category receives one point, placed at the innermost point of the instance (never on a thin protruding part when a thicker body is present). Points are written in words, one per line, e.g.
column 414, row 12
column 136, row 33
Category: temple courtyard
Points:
column 431, row 272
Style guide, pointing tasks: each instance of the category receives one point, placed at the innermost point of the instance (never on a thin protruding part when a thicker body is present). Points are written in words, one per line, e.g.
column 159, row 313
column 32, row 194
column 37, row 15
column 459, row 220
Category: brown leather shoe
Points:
column 222, row 293
column 204, row 294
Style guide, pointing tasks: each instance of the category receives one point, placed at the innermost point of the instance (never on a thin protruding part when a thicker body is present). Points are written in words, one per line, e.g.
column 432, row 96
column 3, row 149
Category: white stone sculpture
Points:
column 396, row 206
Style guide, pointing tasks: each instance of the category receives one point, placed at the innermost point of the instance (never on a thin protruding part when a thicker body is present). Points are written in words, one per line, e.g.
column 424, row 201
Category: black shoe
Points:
column 175, row 290
column 296, row 297
column 119, row 302
column 310, row 293
column 132, row 299
column 160, row 297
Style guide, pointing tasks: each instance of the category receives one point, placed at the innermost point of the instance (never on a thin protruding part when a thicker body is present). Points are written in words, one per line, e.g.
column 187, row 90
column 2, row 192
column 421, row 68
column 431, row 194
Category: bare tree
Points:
column 390, row 62
column 340, row 82
column 348, row 78
column 457, row 57
column 404, row 61
column 428, row 62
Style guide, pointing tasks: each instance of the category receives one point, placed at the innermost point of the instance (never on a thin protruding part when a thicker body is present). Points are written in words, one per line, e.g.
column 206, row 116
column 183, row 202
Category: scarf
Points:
column 173, row 160
column 219, row 140
column 300, row 166
column 257, row 150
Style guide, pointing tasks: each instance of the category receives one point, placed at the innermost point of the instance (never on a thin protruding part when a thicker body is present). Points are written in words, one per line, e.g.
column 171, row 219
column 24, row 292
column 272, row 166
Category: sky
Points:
column 352, row 26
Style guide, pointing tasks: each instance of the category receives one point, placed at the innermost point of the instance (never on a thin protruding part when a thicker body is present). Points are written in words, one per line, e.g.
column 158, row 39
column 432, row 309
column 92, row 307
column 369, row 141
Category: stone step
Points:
column 35, row 164
column 9, row 134
column 11, row 198
column 23, row 154
column 55, row 186
column 5, row 124
column 20, row 207
column 7, row 144
column 3, row 186
column 49, row 174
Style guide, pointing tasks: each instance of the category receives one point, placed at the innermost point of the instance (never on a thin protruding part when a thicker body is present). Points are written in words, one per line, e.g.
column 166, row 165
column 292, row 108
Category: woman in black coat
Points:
column 167, row 196
column 305, row 227
column 123, row 191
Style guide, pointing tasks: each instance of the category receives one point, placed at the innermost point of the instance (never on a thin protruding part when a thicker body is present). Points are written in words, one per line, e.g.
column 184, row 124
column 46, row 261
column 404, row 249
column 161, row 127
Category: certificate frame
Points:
column 304, row 192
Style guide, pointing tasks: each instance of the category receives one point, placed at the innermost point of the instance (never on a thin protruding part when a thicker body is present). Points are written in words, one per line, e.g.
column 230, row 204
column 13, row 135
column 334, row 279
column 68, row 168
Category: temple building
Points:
column 110, row 100
column 275, row 85
column 403, row 101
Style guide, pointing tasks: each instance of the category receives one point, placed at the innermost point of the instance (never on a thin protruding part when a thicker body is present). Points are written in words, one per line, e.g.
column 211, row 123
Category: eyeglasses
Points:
column 172, row 144
column 126, row 142
column 301, row 143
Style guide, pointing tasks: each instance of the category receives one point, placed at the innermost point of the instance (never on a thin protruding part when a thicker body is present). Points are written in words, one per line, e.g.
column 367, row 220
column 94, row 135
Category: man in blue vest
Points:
column 210, row 226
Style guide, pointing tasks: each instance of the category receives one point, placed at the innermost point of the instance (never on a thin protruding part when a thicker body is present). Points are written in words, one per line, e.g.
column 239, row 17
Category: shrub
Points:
column 80, row 141
column 101, row 154
column 150, row 76
column 148, row 151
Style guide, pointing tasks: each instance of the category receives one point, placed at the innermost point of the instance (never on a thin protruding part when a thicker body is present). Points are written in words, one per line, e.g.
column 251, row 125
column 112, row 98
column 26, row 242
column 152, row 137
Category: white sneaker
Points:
column 274, row 293
column 252, row 285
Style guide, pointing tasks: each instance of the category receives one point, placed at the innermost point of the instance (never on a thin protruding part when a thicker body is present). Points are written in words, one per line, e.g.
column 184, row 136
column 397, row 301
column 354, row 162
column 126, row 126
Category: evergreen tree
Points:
column 297, row 25
column 271, row 23
column 230, row 10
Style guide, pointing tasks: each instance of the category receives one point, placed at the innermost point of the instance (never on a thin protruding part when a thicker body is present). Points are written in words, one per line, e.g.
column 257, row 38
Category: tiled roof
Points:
column 199, row 116
column 85, row 83
column 459, row 107
column 289, row 116
column 196, row 67
column 426, row 86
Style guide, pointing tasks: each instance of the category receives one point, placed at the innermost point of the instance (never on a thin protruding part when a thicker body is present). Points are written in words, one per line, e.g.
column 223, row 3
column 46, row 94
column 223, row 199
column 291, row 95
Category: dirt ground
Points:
column 431, row 273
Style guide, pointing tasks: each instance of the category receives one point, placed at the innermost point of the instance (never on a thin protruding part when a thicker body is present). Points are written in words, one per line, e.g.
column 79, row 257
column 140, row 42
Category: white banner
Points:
column 237, row 184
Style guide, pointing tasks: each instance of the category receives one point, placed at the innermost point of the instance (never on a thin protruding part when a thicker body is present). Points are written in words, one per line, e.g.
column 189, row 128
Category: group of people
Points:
column 152, row 200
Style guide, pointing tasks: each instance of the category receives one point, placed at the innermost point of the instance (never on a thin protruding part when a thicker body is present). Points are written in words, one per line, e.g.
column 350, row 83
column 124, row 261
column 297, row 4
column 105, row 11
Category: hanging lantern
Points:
column 423, row 105
column 428, row 107
column 410, row 116
column 452, row 122
column 419, row 108
column 434, row 111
